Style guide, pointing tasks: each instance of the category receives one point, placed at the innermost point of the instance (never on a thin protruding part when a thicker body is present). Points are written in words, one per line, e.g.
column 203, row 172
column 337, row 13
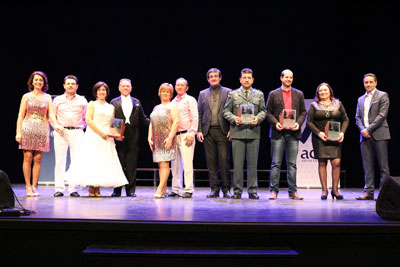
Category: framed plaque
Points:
column 287, row 118
column 117, row 128
column 332, row 130
column 246, row 113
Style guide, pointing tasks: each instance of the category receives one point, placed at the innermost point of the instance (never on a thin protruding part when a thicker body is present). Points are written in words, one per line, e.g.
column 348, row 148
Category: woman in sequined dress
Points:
column 33, row 128
column 327, row 108
column 161, row 137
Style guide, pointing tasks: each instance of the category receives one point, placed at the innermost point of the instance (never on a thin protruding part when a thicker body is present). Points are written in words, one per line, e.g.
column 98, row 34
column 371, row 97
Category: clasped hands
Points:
column 365, row 133
column 325, row 138
column 279, row 127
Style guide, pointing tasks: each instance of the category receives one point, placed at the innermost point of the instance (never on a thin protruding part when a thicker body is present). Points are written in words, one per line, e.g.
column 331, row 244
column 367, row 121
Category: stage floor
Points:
column 201, row 209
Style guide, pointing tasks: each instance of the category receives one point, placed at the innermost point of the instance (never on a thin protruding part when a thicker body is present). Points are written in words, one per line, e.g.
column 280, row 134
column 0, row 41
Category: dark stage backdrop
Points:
column 160, row 41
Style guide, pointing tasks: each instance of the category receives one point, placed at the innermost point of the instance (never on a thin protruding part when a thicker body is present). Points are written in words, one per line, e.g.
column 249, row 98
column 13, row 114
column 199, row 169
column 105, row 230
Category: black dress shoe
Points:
column 130, row 194
column 253, row 196
column 227, row 195
column 187, row 195
column 114, row 194
column 173, row 194
column 74, row 194
column 236, row 196
column 58, row 194
column 213, row 194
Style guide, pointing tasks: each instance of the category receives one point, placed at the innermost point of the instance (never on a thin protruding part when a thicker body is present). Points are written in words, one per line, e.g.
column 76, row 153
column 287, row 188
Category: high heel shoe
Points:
column 29, row 192
column 35, row 192
column 338, row 196
column 159, row 194
column 324, row 196
column 91, row 191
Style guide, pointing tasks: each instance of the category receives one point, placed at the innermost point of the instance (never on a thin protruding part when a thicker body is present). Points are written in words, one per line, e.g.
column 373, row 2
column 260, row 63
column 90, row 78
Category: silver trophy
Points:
column 287, row 118
column 332, row 130
column 247, row 113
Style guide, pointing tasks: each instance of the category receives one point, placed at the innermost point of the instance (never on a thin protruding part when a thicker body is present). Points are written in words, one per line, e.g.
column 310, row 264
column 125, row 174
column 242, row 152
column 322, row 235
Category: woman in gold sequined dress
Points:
column 33, row 128
column 161, row 137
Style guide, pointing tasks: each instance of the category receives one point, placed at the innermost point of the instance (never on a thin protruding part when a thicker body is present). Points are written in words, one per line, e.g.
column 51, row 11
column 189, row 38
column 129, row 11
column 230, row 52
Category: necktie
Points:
column 246, row 94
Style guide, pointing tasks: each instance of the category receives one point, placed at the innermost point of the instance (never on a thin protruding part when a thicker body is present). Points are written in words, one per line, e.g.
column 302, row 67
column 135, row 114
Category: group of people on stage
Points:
column 215, row 119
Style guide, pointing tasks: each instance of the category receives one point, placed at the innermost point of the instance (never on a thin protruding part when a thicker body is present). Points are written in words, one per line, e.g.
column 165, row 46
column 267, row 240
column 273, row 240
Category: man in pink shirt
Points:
column 182, row 166
column 70, row 109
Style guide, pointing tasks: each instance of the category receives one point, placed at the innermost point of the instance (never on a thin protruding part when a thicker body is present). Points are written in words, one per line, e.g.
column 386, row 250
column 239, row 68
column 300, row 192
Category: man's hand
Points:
column 295, row 127
column 365, row 133
column 254, row 121
column 189, row 140
column 238, row 120
column 200, row 137
column 278, row 126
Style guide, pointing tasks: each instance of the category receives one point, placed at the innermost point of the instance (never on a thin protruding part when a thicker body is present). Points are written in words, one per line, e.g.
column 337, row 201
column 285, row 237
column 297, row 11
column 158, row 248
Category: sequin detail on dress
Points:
column 161, row 121
column 35, row 125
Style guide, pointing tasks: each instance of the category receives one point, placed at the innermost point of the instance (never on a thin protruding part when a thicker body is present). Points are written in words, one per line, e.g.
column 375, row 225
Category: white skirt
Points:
column 97, row 164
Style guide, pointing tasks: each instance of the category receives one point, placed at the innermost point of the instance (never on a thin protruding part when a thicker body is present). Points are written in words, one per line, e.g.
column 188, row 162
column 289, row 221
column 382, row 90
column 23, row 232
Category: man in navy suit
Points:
column 131, row 111
column 372, row 110
column 213, row 130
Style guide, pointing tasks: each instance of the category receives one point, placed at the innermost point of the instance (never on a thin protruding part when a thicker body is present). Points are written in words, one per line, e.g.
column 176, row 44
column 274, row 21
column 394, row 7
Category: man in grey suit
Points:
column 245, row 136
column 285, row 140
column 213, row 130
column 372, row 110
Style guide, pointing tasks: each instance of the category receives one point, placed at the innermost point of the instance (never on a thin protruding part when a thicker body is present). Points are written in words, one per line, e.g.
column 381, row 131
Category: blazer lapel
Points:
column 362, row 100
column 119, row 108
column 209, row 98
column 374, row 98
column 221, row 103
column 294, row 101
column 280, row 98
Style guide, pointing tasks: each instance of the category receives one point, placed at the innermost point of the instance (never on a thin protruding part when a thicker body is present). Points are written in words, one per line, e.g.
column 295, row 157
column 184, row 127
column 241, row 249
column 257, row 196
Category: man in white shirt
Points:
column 182, row 166
column 70, row 109
column 372, row 110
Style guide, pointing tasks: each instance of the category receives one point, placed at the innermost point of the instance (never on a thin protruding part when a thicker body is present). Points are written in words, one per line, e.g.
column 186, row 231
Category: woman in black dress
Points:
column 323, row 109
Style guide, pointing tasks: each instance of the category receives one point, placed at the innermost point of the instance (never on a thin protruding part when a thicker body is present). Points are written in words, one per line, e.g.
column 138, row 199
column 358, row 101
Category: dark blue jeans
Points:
column 288, row 143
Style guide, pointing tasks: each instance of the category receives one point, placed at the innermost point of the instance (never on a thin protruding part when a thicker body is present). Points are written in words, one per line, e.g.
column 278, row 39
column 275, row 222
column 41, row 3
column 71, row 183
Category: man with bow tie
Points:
column 131, row 111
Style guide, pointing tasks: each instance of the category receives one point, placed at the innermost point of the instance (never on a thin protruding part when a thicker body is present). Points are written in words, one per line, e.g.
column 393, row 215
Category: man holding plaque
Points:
column 372, row 110
column 213, row 130
column 286, row 112
column 245, row 133
column 130, row 110
column 70, row 109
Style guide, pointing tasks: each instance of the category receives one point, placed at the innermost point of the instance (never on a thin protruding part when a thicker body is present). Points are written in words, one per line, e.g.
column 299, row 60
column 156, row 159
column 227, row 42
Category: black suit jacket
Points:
column 137, row 114
column 275, row 105
column 204, row 108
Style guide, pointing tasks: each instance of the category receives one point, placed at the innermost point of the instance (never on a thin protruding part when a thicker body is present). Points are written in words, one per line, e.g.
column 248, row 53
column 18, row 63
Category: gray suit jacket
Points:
column 235, row 99
column 275, row 105
column 378, row 110
column 204, row 107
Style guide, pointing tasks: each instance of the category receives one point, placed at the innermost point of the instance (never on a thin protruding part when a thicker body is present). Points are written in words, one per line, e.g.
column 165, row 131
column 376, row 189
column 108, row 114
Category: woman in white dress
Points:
column 98, row 164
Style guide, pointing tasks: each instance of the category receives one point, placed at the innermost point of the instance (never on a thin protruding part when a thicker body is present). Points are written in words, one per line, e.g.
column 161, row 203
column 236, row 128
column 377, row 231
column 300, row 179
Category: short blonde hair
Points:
column 168, row 87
